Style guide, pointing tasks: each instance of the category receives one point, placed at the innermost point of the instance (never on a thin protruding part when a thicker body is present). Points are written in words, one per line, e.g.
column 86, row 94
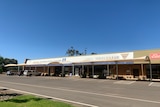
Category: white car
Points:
column 9, row 73
column 95, row 76
column 31, row 72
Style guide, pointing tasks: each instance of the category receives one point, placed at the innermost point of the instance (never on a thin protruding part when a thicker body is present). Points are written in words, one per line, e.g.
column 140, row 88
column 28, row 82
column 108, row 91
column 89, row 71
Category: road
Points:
column 88, row 92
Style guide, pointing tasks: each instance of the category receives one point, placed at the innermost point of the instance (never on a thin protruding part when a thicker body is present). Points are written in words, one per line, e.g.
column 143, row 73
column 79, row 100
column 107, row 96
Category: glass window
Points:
column 155, row 71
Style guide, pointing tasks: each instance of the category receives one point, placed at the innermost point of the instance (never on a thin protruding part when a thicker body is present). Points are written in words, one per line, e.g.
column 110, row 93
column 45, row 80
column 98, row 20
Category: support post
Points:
column 44, row 69
column 108, row 70
column 82, row 67
column 117, row 69
column 92, row 70
column 49, row 71
column 142, row 69
column 18, row 69
column 23, row 68
column 63, row 71
column 87, row 71
column 35, row 68
column 150, row 67
column 73, row 69
column 82, row 75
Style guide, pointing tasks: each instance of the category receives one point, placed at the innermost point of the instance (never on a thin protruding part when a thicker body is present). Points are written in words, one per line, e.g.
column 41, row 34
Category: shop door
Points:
column 135, row 73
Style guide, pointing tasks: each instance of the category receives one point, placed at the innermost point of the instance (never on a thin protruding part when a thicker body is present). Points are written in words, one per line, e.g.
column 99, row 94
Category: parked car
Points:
column 10, row 73
column 95, row 76
column 20, row 73
column 31, row 73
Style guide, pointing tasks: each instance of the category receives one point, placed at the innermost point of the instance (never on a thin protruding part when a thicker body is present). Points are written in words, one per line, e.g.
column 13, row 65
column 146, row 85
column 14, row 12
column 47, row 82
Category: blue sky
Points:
column 47, row 28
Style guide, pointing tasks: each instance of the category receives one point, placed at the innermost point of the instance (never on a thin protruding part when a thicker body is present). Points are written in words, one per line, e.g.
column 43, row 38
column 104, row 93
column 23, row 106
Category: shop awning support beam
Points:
column 150, row 67
column 63, row 73
column 92, row 69
column 73, row 72
column 117, row 69
column 142, row 69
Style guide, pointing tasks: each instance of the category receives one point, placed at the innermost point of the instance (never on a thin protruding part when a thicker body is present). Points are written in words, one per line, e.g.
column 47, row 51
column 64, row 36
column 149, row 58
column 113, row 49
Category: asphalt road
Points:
column 88, row 92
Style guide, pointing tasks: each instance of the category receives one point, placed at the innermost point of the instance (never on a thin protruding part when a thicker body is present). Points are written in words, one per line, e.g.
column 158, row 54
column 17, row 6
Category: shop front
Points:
column 137, row 65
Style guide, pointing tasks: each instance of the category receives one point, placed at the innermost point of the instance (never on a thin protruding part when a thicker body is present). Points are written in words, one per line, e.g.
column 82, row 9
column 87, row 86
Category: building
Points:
column 136, row 65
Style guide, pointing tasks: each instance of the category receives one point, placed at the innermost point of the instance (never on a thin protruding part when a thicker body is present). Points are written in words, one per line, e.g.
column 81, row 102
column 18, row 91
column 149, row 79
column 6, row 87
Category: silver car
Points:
column 31, row 72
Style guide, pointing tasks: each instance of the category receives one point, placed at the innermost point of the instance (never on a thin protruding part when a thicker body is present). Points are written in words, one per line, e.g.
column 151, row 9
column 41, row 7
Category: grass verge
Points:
column 31, row 101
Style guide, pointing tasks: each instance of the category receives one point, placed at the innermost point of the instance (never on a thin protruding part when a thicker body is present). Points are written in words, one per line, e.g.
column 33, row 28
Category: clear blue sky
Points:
column 47, row 28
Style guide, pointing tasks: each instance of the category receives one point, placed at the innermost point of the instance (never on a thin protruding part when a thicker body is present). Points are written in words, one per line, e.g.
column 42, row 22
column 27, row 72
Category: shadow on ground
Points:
column 5, row 94
column 25, row 100
column 8, row 96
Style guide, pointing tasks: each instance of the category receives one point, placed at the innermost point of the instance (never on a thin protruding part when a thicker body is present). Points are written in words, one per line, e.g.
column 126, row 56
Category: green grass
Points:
column 31, row 101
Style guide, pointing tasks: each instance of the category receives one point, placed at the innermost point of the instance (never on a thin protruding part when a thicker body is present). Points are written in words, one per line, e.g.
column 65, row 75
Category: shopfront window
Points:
column 155, row 71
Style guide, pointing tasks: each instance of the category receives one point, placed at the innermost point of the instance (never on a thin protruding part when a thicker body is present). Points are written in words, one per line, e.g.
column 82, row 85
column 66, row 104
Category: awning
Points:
column 119, row 61
column 11, row 65
column 54, row 64
column 34, row 65
column 143, row 58
column 60, row 64
column 22, row 64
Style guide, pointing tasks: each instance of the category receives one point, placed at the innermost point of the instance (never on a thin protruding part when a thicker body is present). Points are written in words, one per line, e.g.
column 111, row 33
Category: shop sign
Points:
column 155, row 56
column 90, row 58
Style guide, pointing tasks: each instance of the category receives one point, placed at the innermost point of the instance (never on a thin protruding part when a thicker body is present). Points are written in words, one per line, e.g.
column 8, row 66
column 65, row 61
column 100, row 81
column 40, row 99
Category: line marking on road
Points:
column 124, row 82
column 91, row 93
column 154, row 84
column 102, row 81
column 150, row 83
column 55, row 98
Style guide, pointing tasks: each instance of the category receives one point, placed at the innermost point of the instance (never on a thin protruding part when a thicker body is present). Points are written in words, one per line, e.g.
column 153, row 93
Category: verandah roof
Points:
column 144, row 59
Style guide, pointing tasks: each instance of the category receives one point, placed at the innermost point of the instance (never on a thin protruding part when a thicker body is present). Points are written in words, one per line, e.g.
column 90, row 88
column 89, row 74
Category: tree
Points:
column 93, row 53
column 73, row 52
column 9, row 61
column 5, row 61
column 1, row 60
column 1, row 64
column 77, row 52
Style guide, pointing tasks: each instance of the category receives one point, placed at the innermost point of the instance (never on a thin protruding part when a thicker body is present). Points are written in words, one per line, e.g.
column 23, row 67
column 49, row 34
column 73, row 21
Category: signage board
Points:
column 155, row 55
column 106, row 58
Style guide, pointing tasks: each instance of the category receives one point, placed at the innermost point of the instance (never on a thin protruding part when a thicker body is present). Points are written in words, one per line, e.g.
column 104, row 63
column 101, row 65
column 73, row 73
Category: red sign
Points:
column 155, row 56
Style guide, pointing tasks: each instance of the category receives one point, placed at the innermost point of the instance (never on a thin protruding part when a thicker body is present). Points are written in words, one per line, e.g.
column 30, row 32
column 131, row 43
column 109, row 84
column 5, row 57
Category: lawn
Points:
column 31, row 101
